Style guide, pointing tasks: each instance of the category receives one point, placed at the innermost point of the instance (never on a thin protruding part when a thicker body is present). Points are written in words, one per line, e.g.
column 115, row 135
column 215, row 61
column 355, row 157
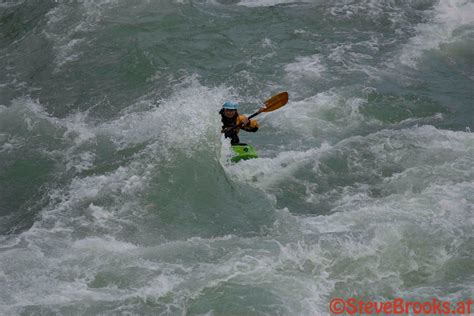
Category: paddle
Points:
column 272, row 104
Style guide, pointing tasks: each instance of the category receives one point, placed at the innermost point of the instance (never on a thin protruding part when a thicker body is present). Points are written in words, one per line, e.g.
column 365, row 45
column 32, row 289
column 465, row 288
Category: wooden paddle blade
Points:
column 276, row 102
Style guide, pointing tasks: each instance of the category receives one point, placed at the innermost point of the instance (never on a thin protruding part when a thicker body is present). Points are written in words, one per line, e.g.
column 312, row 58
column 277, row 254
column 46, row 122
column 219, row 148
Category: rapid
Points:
column 117, row 196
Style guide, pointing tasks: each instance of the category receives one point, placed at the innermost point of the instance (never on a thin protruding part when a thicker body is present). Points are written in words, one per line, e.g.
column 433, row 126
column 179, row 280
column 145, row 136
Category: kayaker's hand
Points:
column 245, row 121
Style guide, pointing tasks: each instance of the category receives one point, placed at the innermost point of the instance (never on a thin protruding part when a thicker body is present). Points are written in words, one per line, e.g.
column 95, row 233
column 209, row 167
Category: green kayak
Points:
column 243, row 152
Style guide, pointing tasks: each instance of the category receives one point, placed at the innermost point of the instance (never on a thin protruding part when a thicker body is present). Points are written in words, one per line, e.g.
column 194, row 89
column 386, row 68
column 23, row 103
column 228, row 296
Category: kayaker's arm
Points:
column 253, row 129
column 246, row 124
column 272, row 104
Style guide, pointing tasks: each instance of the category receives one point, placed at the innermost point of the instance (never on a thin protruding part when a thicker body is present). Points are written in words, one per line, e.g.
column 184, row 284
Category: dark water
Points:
column 116, row 193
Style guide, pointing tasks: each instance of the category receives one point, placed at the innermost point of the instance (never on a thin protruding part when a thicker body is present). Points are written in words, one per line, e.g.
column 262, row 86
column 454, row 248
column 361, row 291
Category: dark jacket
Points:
column 237, row 119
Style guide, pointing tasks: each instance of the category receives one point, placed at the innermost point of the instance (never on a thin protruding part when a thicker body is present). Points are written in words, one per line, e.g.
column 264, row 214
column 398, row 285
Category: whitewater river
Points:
column 117, row 196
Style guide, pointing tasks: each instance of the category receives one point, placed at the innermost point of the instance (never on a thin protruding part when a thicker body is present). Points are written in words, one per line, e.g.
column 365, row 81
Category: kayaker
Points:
column 230, row 117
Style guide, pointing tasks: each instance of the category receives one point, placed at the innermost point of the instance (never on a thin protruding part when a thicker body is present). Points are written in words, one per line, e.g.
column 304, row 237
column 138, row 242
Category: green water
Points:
column 117, row 194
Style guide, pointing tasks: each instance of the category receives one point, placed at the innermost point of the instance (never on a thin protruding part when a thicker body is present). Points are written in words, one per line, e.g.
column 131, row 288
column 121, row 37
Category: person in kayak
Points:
column 230, row 118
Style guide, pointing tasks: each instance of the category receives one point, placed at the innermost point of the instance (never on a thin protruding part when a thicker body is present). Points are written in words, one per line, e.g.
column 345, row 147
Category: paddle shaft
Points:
column 241, row 124
column 275, row 102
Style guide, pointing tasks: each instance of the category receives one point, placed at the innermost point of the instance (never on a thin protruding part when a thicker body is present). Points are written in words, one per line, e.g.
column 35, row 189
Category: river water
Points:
column 116, row 191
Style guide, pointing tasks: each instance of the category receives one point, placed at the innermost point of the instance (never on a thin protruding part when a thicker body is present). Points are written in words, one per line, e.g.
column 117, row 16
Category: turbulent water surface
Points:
column 116, row 191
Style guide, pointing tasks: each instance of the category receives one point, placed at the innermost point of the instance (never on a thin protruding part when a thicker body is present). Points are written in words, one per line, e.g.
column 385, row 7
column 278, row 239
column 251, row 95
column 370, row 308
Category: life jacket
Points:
column 252, row 126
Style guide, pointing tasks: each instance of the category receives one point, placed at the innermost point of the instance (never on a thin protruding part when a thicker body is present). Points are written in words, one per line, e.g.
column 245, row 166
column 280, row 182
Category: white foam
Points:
column 377, row 234
column 10, row 143
column 68, row 52
column 325, row 116
column 107, row 244
column 265, row 173
column 103, row 202
column 185, row 120
column 74, row 131
column 309, row 67
column 121, row 181
column 449, row 15
column 99, row 212
column 226, row 152
column 356, row 57
column 267, row 3
column 362, row 229
column 366, row 8
column 63, row 29
column 302, row 261
column 268, row 43
column 81, row 162
column 11, row 3
column 158, row 287
column 425, row 156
